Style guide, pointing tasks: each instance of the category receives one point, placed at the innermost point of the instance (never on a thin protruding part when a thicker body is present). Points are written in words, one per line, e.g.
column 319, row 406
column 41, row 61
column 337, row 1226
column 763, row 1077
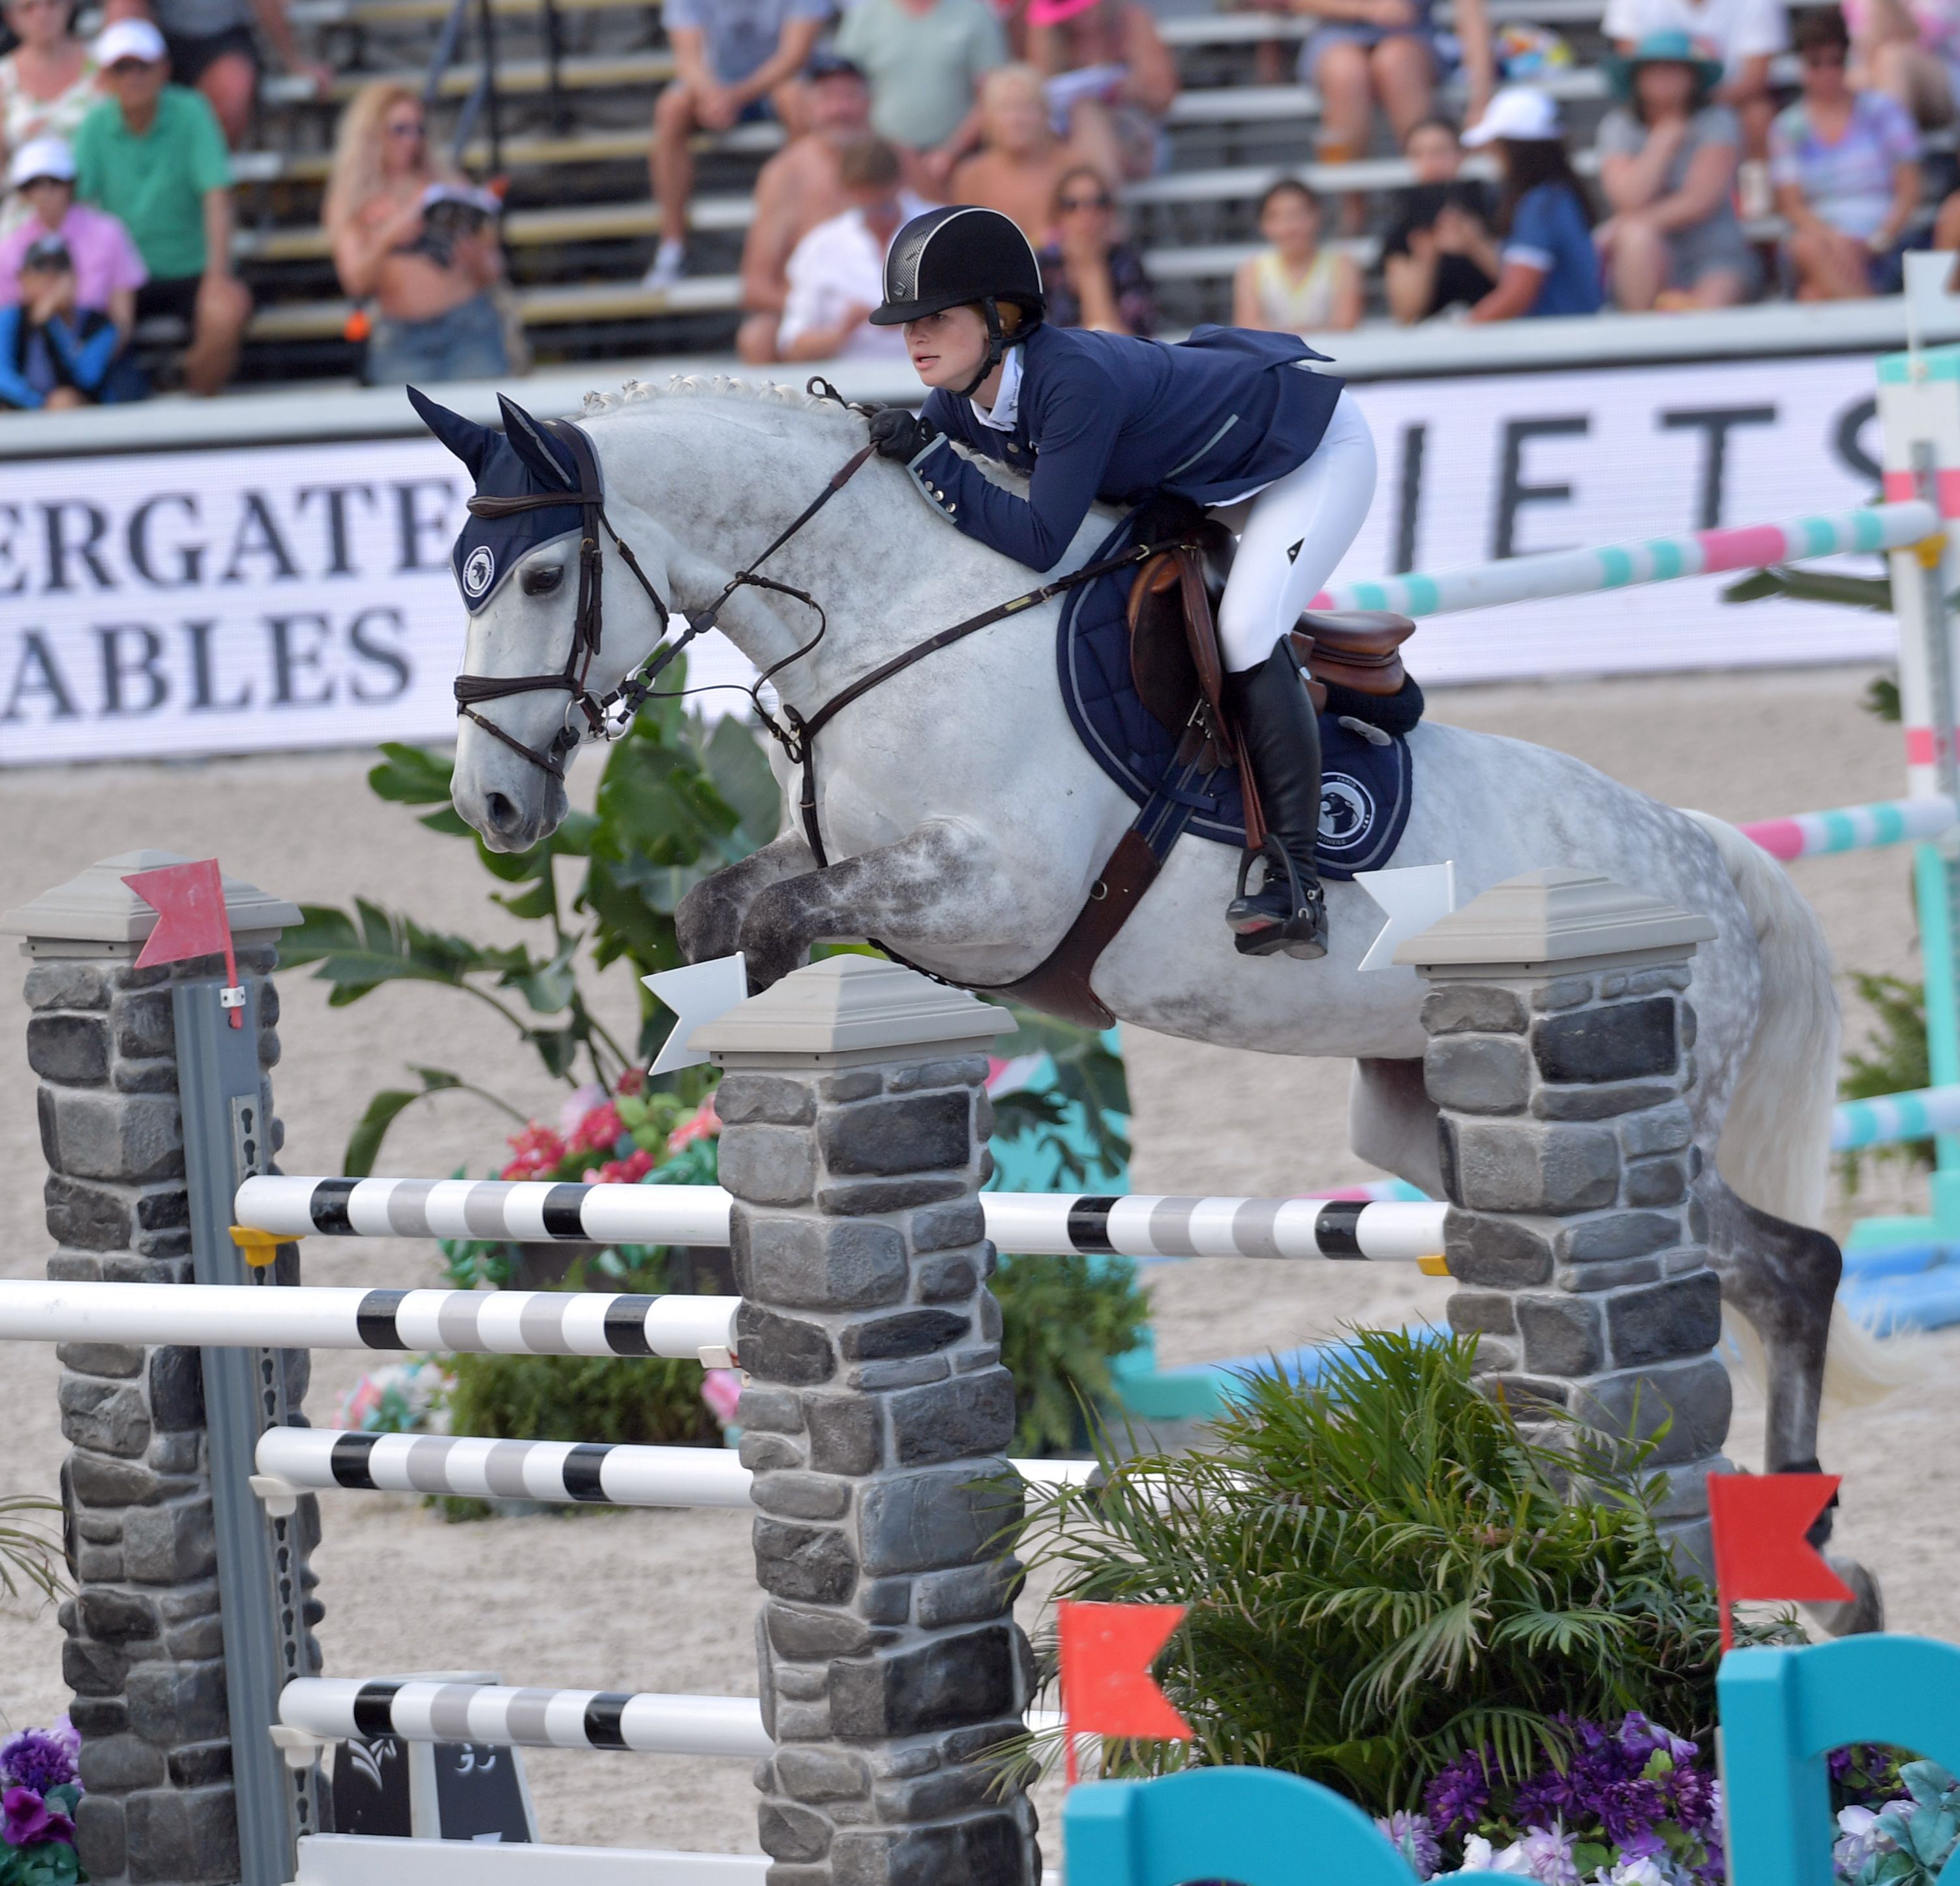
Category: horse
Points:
column 963, row 823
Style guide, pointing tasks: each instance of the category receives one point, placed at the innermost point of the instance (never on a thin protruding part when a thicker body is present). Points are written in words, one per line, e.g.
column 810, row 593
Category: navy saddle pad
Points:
column 1365, row 786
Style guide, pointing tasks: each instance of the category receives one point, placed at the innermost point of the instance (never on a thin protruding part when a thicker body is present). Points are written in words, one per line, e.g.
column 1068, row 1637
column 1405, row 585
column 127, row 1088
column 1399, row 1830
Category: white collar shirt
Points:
column 1007, row 405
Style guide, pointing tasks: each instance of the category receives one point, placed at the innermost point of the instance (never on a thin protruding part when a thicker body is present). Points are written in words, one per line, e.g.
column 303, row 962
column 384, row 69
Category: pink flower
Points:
column 704, row 1123
column 627, row 1171
column 600, row 1131
column 26, row 1819
column 578, row 1102
column 535, row 1151
column 721, row 1389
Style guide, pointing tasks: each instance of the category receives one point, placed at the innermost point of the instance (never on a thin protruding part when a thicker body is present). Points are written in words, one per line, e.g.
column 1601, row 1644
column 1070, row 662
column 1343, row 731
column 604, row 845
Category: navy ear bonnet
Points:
column 521, row 461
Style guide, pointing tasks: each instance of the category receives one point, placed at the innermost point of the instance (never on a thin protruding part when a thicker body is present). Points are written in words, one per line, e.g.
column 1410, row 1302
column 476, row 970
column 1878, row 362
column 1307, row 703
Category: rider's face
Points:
column 947, row 348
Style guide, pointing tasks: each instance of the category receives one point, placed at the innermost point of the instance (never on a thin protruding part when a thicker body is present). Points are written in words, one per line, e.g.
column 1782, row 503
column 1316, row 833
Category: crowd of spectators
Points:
column 1713, row 179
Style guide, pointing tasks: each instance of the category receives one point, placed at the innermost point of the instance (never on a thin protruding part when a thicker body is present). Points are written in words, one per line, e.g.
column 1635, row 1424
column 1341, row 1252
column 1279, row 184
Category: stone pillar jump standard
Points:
column 1561, row 1039
column 855, row 1123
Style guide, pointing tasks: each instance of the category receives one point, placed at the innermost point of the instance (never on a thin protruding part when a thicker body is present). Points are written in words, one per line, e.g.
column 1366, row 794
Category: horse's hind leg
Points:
column 1783, row 1280
column 1391, row 1123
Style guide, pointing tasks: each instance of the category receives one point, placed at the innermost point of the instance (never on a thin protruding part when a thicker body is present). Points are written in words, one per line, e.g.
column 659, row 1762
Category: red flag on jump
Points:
column 188, row 901
column 1759, row 1520
column 1107, row 1685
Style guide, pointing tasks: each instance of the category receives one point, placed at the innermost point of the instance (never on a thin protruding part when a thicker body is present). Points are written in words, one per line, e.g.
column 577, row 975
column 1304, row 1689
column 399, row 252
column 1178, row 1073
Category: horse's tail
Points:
column 1775, row 1150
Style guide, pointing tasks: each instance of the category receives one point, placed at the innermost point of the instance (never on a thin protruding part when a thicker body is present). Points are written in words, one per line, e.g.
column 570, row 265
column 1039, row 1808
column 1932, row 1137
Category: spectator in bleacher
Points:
column 411, row 236
column 1111, row 79
column 1668, row 157
column 1846, row 166
column 1364, row 52
column 1549, row 265
column 1091, row 277
column 1745, row 35
column 1440, row 251
column 1021, row 158
column 214, row 49
column 734, row 61
column 1295, row 286
column 836, row 273
column 797, row 188
column 925, row 59
column 68, row 278
column 152, row 155
column 47, row 83
column 53, row 354
column 1911, row 49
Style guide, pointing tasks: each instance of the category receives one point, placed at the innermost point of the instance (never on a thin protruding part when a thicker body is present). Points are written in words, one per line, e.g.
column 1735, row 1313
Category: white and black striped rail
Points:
column 482, row 1322
column 614, row 1474
column 335, row 1708
column 1036, row 1223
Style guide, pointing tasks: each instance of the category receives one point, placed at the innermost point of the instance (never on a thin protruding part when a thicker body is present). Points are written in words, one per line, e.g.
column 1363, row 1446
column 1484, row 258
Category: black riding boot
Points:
column 1270, row 706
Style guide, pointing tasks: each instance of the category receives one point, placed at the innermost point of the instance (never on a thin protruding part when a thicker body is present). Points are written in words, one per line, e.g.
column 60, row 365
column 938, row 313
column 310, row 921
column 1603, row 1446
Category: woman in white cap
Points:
column 47, row 83
column 1550, row 265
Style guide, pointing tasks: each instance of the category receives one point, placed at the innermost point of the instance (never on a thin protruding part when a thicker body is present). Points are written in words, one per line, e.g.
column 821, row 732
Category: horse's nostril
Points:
column 503, row 814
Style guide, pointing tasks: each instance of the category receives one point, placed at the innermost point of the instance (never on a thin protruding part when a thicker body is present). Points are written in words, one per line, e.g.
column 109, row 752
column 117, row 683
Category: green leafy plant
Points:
column 1063, row 1320
column 1072, row 1123
column 28, row 1553
column 1383, row 1573
column 1895, row 1059
column 677, row 801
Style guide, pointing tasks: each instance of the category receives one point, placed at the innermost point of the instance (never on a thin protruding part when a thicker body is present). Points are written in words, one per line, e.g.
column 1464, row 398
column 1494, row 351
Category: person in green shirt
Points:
column 925, row 59
column 152, row 154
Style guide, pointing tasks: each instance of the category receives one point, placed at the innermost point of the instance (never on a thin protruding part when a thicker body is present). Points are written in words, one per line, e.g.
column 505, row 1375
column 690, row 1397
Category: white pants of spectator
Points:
column 1295, row 531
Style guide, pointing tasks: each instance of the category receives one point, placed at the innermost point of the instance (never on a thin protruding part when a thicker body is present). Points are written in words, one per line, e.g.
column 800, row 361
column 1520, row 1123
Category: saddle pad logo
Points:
column 1347, row 812
column 479, row 572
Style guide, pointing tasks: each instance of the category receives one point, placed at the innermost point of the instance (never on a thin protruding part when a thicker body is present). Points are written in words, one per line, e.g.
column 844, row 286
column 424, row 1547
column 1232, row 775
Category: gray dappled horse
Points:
column 964, row 824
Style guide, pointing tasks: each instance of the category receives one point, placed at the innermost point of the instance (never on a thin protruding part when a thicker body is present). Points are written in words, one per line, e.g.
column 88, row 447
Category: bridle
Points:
column 588, row 625
column 608, row 715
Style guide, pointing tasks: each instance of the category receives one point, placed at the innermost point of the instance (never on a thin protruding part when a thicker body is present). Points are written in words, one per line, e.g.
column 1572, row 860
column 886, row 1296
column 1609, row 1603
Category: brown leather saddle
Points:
column 1178, row 671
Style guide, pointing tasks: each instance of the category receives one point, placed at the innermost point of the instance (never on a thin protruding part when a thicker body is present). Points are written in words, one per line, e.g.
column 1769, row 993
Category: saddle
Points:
column 1178, row 667
column 1178, row 671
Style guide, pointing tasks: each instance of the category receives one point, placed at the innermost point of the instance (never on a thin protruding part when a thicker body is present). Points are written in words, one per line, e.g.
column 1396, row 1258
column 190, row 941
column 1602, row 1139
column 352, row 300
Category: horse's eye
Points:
column 542, row 578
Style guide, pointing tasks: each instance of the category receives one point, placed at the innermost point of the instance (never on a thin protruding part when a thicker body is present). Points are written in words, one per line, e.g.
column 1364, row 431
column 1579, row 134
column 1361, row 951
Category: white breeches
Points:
column 1295, row 530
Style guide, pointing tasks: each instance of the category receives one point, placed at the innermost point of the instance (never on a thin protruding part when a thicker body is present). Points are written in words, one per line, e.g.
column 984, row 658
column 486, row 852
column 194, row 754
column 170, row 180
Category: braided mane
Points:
column 637, row 392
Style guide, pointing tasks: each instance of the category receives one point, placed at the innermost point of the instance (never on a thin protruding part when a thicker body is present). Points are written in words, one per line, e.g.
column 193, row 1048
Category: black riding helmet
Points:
column 958, row 256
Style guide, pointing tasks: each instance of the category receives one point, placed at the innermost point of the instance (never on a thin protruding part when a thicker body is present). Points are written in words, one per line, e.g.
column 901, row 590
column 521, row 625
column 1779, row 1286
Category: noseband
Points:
column 587, row 625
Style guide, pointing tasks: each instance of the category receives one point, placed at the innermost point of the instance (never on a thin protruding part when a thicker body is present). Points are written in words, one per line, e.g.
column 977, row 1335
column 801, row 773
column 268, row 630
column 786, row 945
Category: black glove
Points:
column 899, row 435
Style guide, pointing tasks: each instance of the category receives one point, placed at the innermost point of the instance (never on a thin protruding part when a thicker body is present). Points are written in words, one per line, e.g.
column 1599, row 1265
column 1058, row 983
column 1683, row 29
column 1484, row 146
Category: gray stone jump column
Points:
column 875, row 1419
column 150, row 1106
column 1560, row 1046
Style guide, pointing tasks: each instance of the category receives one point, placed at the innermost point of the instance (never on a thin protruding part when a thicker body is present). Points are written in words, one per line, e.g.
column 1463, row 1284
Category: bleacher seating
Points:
column 571, row 157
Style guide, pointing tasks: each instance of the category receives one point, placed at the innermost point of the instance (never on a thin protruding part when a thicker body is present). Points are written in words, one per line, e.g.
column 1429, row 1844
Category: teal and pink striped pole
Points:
column 1753, row 547
column 1852, row 828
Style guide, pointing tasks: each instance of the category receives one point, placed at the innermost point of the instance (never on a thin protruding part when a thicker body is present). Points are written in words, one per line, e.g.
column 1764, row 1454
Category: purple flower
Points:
column 40, row 1758
column 1460, row 1791
column 1414, row 1839
column 1546, row 1855
column 26, row 1820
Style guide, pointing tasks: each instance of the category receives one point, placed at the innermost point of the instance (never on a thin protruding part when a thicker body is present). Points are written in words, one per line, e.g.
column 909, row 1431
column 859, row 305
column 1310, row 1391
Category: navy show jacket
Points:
column 1111, row 417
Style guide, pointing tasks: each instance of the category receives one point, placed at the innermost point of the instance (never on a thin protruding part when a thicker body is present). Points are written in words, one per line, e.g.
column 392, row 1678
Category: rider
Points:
column 1225, row 416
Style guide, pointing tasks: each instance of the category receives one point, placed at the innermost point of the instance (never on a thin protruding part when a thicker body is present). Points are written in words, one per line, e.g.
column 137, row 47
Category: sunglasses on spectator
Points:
column 123, row 67
column 1085, row 202
column 406, row 128
column 1825, row 55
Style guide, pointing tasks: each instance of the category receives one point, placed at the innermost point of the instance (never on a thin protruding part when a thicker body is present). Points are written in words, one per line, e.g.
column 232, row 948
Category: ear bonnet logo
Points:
column 479, row 572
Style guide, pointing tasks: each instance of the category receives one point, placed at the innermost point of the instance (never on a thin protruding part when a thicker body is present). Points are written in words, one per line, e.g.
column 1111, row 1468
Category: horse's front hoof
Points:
column 1865, row 1612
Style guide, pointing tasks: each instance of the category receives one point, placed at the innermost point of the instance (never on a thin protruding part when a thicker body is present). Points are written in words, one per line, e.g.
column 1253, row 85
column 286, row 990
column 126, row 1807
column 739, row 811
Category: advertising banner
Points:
column 214, row 602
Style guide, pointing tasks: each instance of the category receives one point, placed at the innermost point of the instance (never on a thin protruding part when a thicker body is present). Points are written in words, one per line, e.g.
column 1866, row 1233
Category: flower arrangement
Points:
column 39, row 1787
column 1900, row 1821
column 622, row 1138
column 1628, row 1806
